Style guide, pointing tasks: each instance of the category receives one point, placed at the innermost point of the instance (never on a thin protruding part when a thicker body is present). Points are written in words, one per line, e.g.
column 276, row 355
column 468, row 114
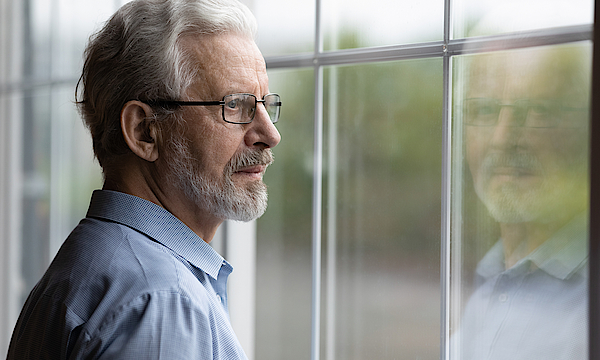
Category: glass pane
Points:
column 489, row 17
column 74, row 171
column 73, row 22
column 382, row 281
column 10, row 214
column 354, row 23
column 56, row 33
column 36, row 170
column 283, row 276
column 37, row 41
column 59, row 174
column 51, row 148
column 284, row 27
column 58, row 169
column 520, row 204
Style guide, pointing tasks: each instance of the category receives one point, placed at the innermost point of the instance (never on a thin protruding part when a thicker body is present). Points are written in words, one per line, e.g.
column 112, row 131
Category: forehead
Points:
column 225, row 63
column 539, row 73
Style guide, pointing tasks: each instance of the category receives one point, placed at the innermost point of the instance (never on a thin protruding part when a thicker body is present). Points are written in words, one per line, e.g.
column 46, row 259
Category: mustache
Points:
column 513, row 160
column 250, row 158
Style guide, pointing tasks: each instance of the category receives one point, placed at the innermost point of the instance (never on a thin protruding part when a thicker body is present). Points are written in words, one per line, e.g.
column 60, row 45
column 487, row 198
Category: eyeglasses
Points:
column 237, row 108
column 526, row 112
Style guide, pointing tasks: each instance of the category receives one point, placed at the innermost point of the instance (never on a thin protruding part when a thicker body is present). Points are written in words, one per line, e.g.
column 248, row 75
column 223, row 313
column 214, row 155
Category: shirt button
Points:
column 218, row 298
column 503, row 297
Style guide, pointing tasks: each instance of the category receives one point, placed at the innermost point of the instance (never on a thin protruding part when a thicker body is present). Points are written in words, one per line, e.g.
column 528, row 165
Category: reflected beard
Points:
column 221, row 197
column 514, row 202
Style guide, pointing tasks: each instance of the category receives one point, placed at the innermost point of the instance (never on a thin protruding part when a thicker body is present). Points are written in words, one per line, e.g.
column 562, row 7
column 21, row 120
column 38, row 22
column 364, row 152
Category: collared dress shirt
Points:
column 130, row 282
column 535, row 310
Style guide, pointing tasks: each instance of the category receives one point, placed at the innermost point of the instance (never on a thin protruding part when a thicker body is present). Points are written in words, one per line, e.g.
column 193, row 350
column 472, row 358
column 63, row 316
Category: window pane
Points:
column 353, row 23
column 488, row 17
column 383, row 210
column 520, row 202
column 283, row 276
column 73, row 21
column 59, row 174
column 37, row 41
column 284, row 27
column 36, row 170
column 75, row 173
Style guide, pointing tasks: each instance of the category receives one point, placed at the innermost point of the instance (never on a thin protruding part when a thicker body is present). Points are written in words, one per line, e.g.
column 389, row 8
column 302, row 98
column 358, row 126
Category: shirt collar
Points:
column 492, row 262
column 561, row 256
column 565, row 252
column 158, row 224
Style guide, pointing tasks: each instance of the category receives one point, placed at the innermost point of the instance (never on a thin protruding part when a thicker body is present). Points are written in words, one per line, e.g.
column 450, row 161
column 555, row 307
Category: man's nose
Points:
column 509, row 128
column 262, row 132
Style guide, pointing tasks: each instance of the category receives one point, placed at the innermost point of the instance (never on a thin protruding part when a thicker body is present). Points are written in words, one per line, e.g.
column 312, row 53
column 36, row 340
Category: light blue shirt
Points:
column 130, row 282
column 535, row 310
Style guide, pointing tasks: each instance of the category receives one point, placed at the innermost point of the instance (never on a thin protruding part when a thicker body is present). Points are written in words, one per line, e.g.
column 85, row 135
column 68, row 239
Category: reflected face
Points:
column 526, row 135
column 219, row 166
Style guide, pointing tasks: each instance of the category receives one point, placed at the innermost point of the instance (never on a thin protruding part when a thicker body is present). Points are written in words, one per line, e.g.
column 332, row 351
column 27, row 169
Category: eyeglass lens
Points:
column 529, row 113
column 241, row 108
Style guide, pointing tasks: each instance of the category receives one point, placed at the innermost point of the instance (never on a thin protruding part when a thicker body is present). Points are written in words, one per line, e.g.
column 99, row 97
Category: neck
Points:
column 140, row 179
column 521, row 239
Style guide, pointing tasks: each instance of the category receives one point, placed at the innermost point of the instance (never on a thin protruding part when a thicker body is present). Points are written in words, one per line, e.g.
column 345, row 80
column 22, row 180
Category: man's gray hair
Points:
column 137, row 55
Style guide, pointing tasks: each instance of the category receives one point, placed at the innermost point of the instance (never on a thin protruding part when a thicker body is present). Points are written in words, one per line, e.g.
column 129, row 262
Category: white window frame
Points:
column 236, row 242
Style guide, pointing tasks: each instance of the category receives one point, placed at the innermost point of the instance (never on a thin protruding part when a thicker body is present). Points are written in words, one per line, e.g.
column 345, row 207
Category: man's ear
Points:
column 139, row 131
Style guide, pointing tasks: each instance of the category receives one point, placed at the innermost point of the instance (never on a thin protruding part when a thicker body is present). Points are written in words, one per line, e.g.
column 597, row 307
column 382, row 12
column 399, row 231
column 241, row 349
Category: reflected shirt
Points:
column 130, row 282
column 537, row 309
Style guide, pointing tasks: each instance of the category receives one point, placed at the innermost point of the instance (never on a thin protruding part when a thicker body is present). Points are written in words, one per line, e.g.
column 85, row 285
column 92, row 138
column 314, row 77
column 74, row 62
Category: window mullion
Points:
column 446, row 188
column 543, row 37
column 317, row 190
column 594, row 224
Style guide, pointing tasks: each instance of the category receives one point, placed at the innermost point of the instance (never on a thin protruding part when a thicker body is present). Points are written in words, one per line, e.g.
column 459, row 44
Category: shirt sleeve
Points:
column 160, row 325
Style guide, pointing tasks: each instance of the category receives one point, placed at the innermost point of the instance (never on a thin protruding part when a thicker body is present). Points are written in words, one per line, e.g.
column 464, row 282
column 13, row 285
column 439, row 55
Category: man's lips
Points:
column 254, row 171
column 513, row 171
column 511, row 165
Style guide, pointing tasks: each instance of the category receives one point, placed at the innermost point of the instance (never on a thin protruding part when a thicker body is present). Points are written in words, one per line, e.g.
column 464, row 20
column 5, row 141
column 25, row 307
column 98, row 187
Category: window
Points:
column 520, row 229
column 386, row 230
column 47, row 170
column 398, row 230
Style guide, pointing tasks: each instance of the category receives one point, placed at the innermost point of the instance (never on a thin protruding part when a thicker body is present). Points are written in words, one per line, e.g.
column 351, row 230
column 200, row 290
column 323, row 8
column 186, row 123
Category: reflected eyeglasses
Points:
column 237, row 108
column 533, row 113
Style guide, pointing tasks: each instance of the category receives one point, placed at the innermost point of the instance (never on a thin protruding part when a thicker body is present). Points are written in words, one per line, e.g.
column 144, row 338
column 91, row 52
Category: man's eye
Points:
column 482, row 112
column 541, row 108
column 486, row 109
column 232, row 104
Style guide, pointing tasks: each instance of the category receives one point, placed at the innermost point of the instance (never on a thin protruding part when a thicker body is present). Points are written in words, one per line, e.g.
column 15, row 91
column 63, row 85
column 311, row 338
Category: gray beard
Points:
column 221, row 197
column 512, row 203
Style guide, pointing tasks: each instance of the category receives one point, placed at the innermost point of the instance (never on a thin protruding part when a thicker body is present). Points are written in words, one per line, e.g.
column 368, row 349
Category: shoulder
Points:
column 106, row 278
column 119, row 265
column 101, row 256
column 158, row 324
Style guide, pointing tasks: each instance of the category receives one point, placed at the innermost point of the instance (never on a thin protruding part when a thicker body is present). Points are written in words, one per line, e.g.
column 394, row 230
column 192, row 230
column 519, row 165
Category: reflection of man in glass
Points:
column 526, row 136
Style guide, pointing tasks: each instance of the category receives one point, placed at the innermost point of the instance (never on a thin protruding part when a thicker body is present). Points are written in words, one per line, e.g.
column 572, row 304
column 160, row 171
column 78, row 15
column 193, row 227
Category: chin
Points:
column 546, row 203
column 247, row 210
column 240, row 203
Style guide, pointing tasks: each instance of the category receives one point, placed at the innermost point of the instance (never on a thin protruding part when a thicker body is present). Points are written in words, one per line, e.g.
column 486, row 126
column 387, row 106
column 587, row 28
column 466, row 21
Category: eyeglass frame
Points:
column 222, row 104
column 517, row 105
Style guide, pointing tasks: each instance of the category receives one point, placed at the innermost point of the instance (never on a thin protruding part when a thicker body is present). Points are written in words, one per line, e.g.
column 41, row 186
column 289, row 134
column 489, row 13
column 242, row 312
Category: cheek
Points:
column 565, row 150
column 216, row 148
column 476, row 148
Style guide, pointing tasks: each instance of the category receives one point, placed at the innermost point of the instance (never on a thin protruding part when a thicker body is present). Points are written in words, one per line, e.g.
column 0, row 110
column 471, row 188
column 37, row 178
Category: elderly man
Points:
column 175, row 94
column 526, row 117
